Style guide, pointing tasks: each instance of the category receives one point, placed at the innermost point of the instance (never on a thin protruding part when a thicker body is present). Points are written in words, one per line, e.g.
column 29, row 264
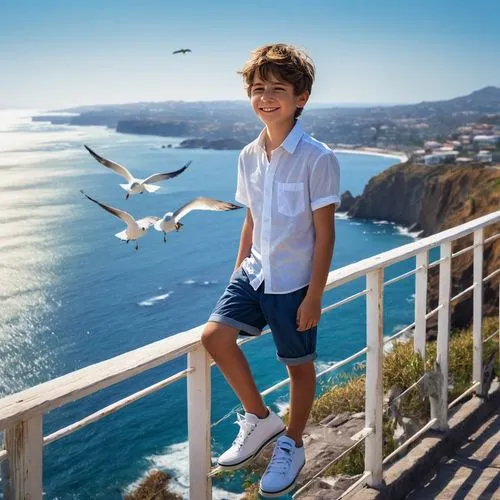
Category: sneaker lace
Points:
column 281, row 459
column 246, row 428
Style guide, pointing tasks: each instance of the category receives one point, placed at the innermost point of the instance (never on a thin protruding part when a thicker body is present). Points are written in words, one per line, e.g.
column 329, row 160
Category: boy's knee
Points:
column 207, row 338
column 215, row 335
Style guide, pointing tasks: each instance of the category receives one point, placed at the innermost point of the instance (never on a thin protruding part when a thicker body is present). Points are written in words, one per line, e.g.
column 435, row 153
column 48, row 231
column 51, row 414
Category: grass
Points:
column 354, row 462
column 402, row 368
column 154, row 487
column 348, row 397
column 252, row 492
column 460, row 356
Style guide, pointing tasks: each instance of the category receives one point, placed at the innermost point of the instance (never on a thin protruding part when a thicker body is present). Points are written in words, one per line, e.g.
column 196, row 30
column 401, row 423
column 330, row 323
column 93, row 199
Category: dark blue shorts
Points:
column 249, row 310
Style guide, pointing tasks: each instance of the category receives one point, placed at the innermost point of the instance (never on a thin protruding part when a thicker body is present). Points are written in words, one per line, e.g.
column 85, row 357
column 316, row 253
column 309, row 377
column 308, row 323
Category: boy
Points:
column 289, row 183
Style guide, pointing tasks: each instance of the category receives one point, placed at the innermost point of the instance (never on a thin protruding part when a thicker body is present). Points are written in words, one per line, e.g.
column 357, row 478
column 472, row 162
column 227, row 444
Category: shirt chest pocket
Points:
column 291, row 201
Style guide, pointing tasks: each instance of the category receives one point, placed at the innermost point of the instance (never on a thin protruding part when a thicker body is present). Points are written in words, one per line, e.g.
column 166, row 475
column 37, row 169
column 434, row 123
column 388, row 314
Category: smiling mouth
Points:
column 268, row 110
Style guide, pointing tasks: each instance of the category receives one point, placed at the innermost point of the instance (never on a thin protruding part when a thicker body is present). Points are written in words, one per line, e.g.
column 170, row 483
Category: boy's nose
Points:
column 267, row 94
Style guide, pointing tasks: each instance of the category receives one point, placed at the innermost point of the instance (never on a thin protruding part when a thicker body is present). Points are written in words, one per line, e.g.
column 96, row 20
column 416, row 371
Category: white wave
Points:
column 202, row 283
column 153, row 300
column 411, row 298
column 282, row 406
column 405, row 336
column 382, row 222
column 406, row 232
column 323, row 365
column 175, row 459
column 341, row 215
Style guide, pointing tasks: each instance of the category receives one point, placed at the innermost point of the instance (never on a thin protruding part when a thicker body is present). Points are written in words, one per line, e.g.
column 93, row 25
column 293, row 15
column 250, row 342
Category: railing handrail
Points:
column 360, row 268
column 49, row 395
column 44, row 397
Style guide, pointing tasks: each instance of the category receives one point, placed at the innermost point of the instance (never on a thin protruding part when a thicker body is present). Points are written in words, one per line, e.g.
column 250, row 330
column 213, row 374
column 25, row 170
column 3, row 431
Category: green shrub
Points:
column 154, row 487
column 460, row 356
column 347, row 397
column 402, row 368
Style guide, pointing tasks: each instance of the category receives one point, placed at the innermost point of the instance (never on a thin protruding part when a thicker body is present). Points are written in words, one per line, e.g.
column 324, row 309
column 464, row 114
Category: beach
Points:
column 385, row 153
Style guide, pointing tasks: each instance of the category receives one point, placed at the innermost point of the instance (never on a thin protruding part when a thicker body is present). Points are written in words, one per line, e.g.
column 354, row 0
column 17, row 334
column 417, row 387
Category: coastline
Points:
column 386, row 153
column 361, row 150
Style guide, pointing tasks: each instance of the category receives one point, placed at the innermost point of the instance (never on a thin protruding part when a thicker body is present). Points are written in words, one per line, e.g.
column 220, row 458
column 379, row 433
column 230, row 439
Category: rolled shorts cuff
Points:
column 248, row 329
column 297, row 361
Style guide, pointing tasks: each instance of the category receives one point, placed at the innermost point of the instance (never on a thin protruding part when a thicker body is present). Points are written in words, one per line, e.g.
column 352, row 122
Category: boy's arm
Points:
column 246, row 239
column 309, row 312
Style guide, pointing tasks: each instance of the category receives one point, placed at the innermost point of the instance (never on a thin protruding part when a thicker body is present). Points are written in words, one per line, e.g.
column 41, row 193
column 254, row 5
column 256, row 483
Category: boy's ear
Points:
column 302, row 99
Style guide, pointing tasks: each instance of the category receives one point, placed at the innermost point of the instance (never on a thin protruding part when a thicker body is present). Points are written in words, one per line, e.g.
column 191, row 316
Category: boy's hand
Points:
column 308, row 313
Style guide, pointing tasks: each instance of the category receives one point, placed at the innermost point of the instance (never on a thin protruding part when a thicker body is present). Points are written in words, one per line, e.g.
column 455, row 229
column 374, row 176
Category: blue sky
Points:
column 57, row 53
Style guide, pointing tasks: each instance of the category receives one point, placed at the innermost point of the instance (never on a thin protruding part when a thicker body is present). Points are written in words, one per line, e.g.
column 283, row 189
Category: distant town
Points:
column 462, row 130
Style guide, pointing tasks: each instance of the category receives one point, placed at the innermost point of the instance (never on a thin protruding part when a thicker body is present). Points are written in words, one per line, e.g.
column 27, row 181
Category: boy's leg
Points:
column 220, row 341
column 238, row 310
column 289, row 455
column 298, row 351
column 302, row 390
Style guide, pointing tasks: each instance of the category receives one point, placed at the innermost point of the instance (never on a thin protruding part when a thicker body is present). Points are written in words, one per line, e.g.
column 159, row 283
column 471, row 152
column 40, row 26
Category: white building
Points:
column 486, row 140
column 431, row 145
column 441, row 157
column 484, row 156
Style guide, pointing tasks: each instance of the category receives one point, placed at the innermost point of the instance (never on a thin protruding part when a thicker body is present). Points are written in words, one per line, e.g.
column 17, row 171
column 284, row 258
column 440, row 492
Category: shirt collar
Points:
column 291, row 141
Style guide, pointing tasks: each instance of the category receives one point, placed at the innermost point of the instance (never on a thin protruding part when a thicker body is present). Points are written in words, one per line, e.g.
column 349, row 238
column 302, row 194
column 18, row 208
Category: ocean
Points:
column 72, row 294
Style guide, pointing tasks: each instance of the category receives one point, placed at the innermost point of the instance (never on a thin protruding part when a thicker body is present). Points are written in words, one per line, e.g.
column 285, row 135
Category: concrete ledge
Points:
column 406, row 473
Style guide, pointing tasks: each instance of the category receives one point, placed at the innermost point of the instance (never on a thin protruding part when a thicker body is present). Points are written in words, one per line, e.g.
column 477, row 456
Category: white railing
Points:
column 21, row 414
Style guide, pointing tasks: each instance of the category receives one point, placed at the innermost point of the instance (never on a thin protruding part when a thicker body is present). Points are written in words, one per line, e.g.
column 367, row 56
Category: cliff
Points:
column 152, row 127
column 432, row 199
column 220, row 144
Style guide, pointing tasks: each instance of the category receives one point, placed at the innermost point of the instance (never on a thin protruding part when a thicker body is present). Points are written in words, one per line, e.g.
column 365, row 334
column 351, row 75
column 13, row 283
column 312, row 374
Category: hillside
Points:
column 398, row 127
column 432, row 199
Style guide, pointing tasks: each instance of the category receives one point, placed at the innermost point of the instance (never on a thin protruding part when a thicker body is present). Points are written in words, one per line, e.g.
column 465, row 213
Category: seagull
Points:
column 135, row 185
column 170, row 221
column 135, row 229
column 181, row 51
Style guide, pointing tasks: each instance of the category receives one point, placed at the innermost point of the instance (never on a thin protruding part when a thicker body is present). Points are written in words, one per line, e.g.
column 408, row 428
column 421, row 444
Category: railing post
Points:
column 374, row 372
column 24, row 445
column 439, row 403
column 199, row 400
column 421, row 303
column 8, row 493
column 477, row 315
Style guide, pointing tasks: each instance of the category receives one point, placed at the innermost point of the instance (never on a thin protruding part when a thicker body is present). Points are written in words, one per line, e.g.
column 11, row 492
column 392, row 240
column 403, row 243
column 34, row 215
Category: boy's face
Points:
column 274, row 101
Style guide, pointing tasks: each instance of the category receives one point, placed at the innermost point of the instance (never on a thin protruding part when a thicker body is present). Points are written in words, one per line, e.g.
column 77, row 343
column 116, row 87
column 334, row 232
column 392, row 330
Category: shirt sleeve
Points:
column 241, row 195
column 324, row 182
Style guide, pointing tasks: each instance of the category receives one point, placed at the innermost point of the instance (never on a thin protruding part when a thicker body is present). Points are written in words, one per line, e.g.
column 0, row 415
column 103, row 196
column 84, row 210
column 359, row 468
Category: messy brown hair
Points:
column 284, row 62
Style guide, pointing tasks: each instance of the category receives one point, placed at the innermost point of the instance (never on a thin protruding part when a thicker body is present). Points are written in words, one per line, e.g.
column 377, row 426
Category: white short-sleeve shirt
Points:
column 302, row 176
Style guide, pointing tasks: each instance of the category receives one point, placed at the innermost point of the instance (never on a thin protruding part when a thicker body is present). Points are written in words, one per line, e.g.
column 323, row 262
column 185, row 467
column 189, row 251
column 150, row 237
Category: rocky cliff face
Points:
column 432, row 199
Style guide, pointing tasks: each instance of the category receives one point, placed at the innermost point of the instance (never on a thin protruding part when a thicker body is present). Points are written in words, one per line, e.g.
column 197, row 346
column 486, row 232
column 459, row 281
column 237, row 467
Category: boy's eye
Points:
column 257, row 89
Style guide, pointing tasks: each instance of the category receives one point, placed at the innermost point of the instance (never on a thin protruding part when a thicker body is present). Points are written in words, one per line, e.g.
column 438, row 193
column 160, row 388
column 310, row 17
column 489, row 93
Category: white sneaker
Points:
column 254, row 434
column 283, row 469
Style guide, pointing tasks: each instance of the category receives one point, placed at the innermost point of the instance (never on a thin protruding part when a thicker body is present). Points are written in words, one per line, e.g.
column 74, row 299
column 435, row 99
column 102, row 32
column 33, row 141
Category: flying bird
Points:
column 134, row 185
column 170, row 221
column 181, row 51
column 135, row 229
